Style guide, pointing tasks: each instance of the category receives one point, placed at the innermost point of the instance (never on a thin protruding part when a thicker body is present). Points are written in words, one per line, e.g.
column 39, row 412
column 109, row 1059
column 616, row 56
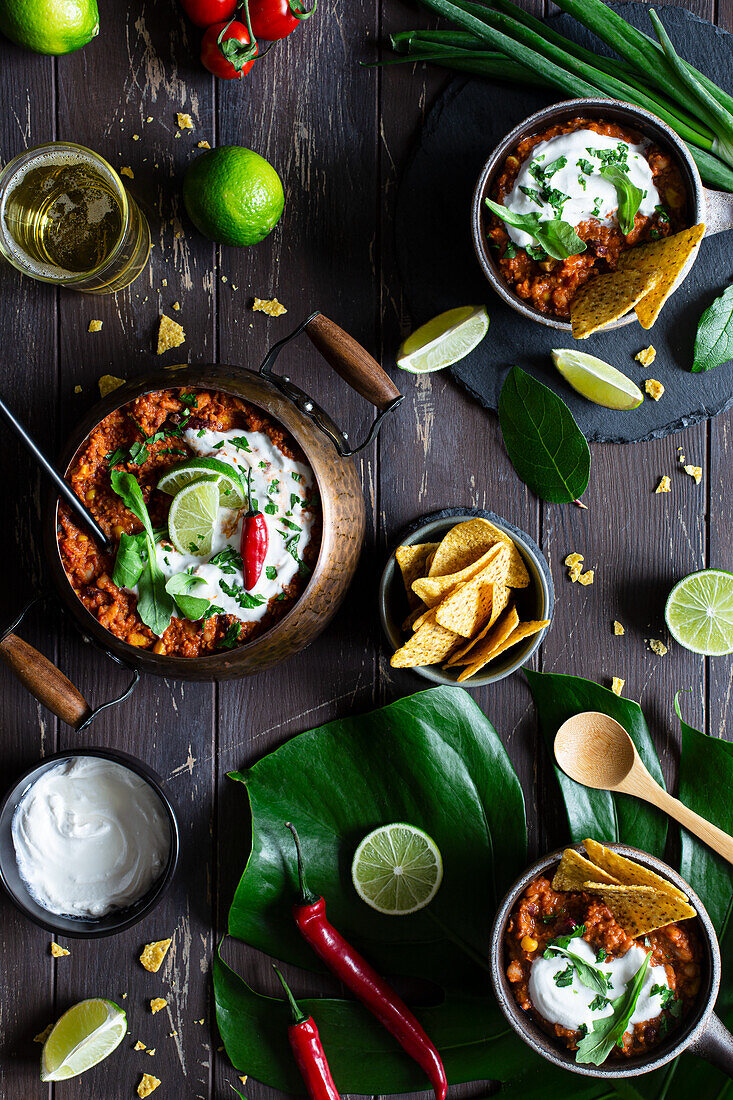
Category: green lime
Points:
column 84, row 1035
column 598, row 381
column 193, row 514
column 232, row 493
column 233, row 195
column 50, row 26
column 699, row 612
column 397, row 869
column 444, row 340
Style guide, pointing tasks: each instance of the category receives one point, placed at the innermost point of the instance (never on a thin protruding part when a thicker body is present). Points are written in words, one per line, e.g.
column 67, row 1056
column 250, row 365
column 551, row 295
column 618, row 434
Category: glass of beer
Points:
column 66, row 218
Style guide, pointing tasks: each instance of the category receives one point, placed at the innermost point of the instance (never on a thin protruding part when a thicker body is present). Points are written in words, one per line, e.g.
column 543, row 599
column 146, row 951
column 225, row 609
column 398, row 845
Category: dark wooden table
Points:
column 338, row 134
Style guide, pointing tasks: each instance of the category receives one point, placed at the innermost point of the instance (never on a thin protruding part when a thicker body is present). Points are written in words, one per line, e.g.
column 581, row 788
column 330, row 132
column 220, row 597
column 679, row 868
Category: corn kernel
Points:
column 528, row 944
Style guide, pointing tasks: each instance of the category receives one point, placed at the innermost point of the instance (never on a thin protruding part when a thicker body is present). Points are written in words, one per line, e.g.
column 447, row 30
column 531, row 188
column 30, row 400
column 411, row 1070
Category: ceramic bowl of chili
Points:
column 699, row 1032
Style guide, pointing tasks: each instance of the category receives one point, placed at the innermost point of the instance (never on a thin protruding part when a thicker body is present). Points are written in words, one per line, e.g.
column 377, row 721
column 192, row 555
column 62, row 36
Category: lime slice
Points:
column 231, row 487
column 83, row 1036
column 444, row 340
column 193, row 515
column 699, row 612
column 598, row 381
column 397, row 869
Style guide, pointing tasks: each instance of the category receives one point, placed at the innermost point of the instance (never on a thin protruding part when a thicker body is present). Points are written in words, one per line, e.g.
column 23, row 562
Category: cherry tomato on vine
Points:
column 275, row 19
column 205, row 12
column 233, row 58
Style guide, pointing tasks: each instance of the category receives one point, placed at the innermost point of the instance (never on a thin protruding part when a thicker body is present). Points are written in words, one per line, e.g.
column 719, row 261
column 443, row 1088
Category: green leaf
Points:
column 595, row 1047
column 599, row 814
column 628, row 195
column 714, row 340
column 154, row 605
column 589, row 975
column 545, row 445
column 179, row 586
column 558, row 238
column 129, row 562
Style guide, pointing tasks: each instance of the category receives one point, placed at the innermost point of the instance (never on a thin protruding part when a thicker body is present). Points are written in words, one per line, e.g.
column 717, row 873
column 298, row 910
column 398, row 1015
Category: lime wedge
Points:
column 397, row 869
column 192, row 518
column 598, row 381
column 84, row 1035
column 699, row 612
column 444, row 340
column 231, row 487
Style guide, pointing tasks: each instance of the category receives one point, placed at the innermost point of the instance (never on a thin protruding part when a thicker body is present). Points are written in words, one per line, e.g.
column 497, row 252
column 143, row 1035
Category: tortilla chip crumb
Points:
column 77, row 389
column 157, row 1004
column 176, row 306
column 694, row 471
column 270, row 306
column 646, row 356
column 139, row 1046
column 43, row 1035
column 656, row 646
column 618, row 628
column 172, row 1034
column 151, row 1052
column 135, row 137
column 149, row 118
column 147, row 1085
column 127, row 171
column 586, row 578
column 575, row 571
column 664, row 485
column 617, row 684
column 204, row 145
column 108, row 383
column 185, row 122
column 170, row 334
column 124, row 996
column 653, row 388
column 243, row 1078
column 199, row 1021
column 58, row 951
column 153, row 955
column 573, row 559
column 95, row 326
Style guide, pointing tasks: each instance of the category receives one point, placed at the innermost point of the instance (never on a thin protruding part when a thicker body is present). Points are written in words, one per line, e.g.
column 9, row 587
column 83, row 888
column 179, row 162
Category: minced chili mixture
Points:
column 542, row 914
column 89, row 568
column 550, row 285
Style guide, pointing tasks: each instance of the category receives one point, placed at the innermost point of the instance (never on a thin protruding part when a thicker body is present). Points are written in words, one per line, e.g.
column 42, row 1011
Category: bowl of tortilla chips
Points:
column 466, row 597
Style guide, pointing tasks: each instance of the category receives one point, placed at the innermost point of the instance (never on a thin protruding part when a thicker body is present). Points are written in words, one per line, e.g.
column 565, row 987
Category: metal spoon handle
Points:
column 65, row 490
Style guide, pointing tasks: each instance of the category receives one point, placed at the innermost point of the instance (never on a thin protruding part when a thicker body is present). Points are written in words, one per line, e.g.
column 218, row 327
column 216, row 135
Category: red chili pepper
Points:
column 253, row 546
column 363, row 980
column 309, row 1054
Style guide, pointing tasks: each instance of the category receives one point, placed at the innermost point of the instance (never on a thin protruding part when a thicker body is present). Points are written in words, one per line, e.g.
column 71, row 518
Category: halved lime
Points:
column 192, row 518
column 397, row 869
column 84, row 1035
column 598, row 381
column 699, row 612
column 232, row 493
column 444, row 340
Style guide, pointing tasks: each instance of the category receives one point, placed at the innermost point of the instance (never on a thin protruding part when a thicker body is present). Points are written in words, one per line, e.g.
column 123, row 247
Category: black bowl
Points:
column 79, row 927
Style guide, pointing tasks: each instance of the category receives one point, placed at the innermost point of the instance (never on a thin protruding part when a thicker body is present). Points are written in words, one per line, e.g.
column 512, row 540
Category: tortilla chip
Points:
column 412, row 561
column 499, row 600
column 575, row 870
column 517, row 577
column 432, row 590
column 482, row 653
column 670, row 259
column 409, row 623
column 641, row 909
column 467, row 608
column 428, row 645
column 608, row 297
column 424, row 614
column 463, row 545
column 628, row 872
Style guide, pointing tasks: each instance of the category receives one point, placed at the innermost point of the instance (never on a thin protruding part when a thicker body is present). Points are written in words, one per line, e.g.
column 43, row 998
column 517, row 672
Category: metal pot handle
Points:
column 718, row 211
column 715, row 1045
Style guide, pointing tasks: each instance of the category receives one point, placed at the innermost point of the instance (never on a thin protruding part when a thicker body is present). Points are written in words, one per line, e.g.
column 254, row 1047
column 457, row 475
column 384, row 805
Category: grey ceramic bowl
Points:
column 80, row 928
column 535, row 602
column 701, row 1032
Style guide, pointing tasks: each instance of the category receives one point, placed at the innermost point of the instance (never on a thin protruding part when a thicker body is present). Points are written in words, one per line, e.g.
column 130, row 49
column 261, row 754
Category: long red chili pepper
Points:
column 253, row 546
column 309, row 1054
column 363, row 980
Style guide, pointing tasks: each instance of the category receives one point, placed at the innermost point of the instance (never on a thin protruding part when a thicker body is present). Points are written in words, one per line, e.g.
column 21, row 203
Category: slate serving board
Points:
column 439, row 269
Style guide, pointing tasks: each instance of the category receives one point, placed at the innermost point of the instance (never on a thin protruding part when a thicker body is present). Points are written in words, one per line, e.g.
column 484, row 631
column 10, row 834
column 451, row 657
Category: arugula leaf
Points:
column 595, row 1047
column 558, row 238
column 129, row 562
column 628, row 196
column 714, row 339
column 588, row 974
column 179, row 586
column 545, row 445
column 154, row 604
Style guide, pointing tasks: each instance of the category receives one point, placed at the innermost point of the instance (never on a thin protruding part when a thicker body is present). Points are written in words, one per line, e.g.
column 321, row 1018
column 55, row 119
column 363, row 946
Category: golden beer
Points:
column 66, row 218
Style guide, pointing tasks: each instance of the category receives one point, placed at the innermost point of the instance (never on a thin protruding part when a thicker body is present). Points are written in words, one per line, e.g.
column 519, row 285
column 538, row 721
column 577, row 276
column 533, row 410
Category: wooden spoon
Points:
column 596, row 750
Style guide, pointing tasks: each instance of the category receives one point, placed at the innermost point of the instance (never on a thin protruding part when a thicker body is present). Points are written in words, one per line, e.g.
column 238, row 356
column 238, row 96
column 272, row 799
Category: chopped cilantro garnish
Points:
column 601, row 954
column 240, row 442
column 532, row 194
column 598, row 1003
column 564, row 977
column 295, row 500
column 231, row 638
column 271, row 572
column 228, row 560
column 295, row 476
column 115, row 457
column 289, row 523
column 271, row 509
column 201, row 432
column 585, row 166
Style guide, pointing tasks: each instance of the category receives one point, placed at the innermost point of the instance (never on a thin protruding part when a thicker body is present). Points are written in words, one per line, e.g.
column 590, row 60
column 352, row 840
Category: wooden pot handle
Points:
column 44, row 680
column 349, row 359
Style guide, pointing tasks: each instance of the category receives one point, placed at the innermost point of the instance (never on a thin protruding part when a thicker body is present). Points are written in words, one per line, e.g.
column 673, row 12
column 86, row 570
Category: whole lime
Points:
column 233, row 195
column 50, row 26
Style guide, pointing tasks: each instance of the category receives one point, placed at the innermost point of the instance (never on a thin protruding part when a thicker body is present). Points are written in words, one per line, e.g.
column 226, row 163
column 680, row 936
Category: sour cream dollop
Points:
column 90, row 836
column 569, row 1005
column 561, row 179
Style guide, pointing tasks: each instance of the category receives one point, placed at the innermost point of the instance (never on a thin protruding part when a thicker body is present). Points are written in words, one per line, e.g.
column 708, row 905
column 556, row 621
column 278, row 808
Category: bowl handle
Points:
column 43, row 680
column 718, row 211
column 715, row 1045
column 355, row 365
